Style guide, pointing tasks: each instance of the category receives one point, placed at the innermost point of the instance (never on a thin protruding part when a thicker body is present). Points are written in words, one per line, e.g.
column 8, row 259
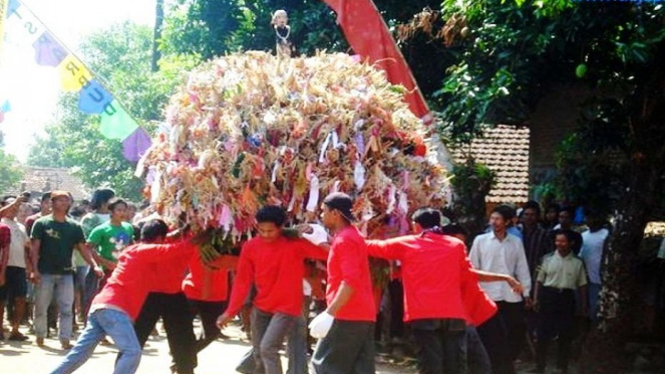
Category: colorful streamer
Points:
column 24, row 28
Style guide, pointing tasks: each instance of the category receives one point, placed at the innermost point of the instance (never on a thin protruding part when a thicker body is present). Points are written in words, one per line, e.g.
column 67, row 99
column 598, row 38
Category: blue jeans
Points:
column 102, row 322
column 63, row 287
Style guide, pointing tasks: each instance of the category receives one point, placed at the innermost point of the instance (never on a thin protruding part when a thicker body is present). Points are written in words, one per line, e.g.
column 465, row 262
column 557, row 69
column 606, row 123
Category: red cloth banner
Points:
column 368, row 35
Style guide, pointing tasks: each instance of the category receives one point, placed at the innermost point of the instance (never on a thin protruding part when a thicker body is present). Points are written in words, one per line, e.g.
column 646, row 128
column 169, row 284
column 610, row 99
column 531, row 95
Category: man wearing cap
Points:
column 346, row 327
column 15, row 277
column 54, row 238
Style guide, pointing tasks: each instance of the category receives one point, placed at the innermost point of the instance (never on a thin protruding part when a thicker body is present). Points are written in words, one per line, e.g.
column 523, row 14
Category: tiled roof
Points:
column 505, row 151
column 37, row 180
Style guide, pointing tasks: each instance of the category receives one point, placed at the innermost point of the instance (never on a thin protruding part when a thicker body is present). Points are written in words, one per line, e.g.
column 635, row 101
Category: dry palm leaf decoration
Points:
column 251, row 129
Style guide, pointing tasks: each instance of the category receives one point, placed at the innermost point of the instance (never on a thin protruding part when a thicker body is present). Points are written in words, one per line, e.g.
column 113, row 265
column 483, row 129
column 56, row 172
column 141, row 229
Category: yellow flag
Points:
column 73, row 74
column 4, row 6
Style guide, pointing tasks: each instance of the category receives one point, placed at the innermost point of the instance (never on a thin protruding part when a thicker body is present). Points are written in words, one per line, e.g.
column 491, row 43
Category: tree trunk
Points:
column 157, row 35
column 620, row 295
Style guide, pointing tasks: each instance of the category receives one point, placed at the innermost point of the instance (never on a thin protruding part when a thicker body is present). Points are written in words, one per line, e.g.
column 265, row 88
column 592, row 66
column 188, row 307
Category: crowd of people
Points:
column 524, row 282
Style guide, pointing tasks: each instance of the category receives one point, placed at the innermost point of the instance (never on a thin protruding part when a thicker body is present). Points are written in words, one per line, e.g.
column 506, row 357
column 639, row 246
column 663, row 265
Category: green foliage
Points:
column 209, row 28
column 120, row 56
column 511, row 54
column 10, row 171
column 472, row 182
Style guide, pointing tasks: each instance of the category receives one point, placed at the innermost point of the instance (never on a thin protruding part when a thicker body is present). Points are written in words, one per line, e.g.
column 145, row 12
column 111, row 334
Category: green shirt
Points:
column 562, row 272
column 111, row 240
column 57, row 243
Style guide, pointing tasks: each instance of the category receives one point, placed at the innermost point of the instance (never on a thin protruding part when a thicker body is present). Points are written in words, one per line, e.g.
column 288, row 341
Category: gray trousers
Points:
column 347, row 349
column 268, row 334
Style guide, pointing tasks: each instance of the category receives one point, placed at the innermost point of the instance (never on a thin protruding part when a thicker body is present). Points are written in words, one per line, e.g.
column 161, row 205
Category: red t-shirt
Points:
column 437, row 277
column 135, row 276
column 348, row 263
column 206, row 284
column 172, row 273
column 5, row 241
column 276, row 269
column 31, row 221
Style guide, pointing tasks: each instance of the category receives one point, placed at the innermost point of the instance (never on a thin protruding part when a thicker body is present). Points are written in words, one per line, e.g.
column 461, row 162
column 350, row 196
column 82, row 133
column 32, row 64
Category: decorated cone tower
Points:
column 252, row 129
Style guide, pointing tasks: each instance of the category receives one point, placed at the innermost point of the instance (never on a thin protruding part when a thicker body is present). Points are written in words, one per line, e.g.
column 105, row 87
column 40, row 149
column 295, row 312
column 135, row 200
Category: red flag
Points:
column 368, row 35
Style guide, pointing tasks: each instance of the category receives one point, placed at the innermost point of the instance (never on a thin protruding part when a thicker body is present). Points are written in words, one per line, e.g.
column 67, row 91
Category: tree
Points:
column 10, row 171
column 120, row 57
column 503, row 57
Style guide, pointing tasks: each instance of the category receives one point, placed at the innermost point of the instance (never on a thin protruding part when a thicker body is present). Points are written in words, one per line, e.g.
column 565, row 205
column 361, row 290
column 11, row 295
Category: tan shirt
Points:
column 562, row 272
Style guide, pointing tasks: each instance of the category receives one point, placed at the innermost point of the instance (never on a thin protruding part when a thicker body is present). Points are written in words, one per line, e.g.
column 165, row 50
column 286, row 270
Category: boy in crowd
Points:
column 16, row 281
column 54, row 238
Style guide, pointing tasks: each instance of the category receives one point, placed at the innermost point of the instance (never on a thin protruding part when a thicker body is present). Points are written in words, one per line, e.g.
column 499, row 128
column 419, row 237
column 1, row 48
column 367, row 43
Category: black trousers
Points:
column 396, row 291
column 347, row 349
column 514, row 316
column 174, row 310
column 494, row 336
column 439, row 343
column 208, row 311
column 557, row 318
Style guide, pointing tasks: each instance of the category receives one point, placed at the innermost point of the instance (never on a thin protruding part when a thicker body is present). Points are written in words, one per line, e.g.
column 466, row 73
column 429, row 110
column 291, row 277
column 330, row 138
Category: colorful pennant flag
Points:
column 368, row 35
column 94, row 98
column 4, row 108
column 73, row 74
column 116, row 122
column 135, row 145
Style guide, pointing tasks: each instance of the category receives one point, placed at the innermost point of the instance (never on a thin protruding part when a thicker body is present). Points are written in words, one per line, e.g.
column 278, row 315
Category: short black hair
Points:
column 569, row 209
column 532, row 205
column 427, row 218
column 569, row 234
column 46, row 196
column 506, row 211
column 554, row 206
column 271, row 213
column 454, row 229
column 100, row 197
column 115, row 202
column 153, row 230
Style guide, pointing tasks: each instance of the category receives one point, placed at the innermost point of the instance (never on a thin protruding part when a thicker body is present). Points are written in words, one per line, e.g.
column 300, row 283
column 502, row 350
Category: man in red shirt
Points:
column 114, row 309
column 274, row 264
column 166, row 300
column 207, row 291
column 441, row 290
column 346, row 327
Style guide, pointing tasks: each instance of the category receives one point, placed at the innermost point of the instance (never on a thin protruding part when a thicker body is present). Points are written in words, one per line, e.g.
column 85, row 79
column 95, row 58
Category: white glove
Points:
column 319, row 234
column 320, row 325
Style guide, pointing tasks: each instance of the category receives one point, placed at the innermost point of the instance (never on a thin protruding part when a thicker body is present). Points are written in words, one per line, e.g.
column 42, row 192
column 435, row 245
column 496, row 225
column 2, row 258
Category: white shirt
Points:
column 488, row 253
column 592, row 252
column 17, row 245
